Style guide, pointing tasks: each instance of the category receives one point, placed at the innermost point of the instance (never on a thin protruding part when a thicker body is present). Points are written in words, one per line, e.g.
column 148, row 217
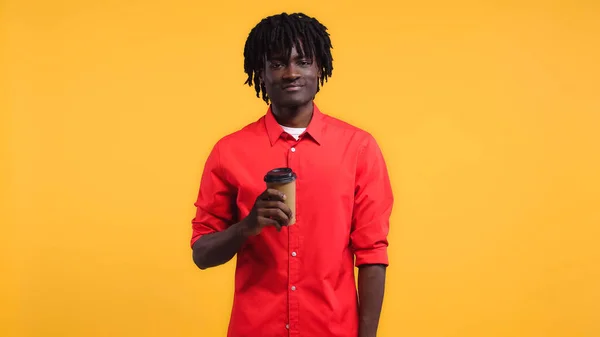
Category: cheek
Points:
column 269, row 82
column 270, row 77
column 311, row 74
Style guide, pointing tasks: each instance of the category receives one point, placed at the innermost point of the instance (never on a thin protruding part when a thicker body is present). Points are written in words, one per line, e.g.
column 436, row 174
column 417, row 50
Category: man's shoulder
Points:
column 243, row 134
column 347, row 128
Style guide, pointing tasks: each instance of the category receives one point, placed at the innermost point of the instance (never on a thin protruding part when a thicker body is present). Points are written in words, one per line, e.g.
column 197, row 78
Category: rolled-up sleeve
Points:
column 372, row 206
column 215, row 201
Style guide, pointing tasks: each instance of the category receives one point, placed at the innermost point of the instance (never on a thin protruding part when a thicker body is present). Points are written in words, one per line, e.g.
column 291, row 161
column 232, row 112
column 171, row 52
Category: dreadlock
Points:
column 278, row 34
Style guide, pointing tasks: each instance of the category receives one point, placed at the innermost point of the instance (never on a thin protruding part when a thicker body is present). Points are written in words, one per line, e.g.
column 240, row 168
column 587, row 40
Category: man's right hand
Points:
column 269, row 210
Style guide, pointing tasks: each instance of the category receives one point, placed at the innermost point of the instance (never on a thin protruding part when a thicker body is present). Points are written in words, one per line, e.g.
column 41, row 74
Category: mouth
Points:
column 292, row 87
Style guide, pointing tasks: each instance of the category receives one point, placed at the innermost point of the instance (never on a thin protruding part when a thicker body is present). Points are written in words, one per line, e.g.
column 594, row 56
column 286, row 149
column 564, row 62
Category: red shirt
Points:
column 300, row 281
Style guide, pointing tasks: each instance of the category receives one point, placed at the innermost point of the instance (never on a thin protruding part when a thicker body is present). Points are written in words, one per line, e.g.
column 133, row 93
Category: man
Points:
column 296, row 279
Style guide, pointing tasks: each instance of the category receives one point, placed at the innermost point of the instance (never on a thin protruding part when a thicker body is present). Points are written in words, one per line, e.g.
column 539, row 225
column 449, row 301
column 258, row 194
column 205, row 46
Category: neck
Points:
column 293, row 117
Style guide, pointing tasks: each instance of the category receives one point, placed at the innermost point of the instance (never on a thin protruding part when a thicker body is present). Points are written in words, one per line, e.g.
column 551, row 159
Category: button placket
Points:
column 293, row 246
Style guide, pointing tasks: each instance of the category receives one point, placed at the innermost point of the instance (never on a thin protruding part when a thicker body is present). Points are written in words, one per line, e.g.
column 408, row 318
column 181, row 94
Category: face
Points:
column 293, row 82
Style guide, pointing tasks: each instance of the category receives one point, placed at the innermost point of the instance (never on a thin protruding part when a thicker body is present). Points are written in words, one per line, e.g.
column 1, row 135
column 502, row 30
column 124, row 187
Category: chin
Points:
column 294, row 102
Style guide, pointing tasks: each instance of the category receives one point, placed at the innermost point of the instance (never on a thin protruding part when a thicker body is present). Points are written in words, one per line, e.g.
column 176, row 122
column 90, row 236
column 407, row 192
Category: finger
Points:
column 278, row 204
column 265, row 221
column 274, row 213
column 273, row 195
column 275, row 204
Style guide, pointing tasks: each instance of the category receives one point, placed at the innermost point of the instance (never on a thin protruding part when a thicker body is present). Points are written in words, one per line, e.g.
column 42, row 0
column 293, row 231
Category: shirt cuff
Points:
column 372, row 256
column 199, row 231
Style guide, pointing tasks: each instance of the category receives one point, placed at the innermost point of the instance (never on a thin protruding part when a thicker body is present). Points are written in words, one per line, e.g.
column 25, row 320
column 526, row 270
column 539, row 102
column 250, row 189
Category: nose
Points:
column 291, row 72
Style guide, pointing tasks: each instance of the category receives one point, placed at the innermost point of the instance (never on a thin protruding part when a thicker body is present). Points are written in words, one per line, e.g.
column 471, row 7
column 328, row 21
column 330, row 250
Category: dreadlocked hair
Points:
column 278, row 34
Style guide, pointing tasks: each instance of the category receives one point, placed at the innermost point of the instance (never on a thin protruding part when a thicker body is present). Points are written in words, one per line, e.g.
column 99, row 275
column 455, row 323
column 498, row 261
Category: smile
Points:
column 292, row 88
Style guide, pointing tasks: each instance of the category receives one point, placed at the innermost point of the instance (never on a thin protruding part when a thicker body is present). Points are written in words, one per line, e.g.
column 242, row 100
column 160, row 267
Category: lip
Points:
column 292, row 87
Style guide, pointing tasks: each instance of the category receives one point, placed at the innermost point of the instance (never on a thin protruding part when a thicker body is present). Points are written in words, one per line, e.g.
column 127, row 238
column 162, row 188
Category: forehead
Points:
column 287, row 52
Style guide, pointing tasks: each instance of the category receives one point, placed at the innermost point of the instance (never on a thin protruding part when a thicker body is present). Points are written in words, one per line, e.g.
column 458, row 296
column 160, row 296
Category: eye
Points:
column 305, row 63
column 276, row 65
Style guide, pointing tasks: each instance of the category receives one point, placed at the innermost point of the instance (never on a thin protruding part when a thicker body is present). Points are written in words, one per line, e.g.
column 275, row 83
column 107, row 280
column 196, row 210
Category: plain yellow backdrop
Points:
column 488, row 116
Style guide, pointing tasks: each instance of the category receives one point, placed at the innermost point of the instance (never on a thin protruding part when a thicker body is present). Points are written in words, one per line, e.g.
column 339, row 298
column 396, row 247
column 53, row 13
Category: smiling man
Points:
column 296, row 279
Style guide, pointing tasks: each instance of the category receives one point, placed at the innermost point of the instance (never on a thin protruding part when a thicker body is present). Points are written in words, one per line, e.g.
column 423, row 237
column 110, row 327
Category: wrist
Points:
column 242, row 229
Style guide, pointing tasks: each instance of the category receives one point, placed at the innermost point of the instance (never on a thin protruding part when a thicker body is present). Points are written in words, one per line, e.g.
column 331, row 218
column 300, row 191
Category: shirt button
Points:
column 287, row 326
column 293, row 288
column 293, row 253
column 293, row 149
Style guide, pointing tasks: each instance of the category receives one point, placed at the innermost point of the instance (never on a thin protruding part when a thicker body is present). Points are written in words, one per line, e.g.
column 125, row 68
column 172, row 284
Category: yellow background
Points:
column 488, row 115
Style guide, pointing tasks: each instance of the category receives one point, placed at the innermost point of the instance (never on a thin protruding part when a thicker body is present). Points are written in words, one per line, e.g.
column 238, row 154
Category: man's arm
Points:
column 216, row 237
column 215, row 249
column 371, row 284
column 373, row 203
column 214, row 240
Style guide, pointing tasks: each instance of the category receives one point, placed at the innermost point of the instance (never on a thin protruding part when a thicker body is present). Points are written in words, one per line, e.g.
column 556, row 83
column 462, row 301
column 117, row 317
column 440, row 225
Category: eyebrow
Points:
column 281, row 57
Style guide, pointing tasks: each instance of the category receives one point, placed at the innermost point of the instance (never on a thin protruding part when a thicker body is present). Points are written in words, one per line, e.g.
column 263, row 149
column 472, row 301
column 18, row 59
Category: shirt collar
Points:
column 314, row 129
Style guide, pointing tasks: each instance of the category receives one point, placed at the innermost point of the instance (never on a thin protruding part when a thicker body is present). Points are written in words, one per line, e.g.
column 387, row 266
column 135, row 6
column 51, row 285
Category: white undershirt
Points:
column 294, row 132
